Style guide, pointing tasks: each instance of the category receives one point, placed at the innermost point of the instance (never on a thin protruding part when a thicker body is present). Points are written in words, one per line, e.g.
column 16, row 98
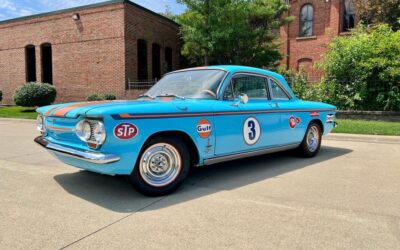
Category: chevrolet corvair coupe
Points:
column 191, row 117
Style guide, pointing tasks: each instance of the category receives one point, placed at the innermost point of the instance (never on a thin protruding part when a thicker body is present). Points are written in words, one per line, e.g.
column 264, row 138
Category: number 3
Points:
column 252, row 127
column 251, row 131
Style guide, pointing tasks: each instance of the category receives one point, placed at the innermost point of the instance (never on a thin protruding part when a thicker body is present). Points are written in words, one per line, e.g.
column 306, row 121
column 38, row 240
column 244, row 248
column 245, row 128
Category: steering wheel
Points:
column 209, row 92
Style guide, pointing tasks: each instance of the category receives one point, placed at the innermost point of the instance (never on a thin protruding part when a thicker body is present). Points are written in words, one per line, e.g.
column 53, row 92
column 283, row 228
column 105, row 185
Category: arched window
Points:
column 349, row 16
column 306, row 65
column 306, row 20
column 156, row 61
column 142, row 59
column 30, row 63
column 47, row 63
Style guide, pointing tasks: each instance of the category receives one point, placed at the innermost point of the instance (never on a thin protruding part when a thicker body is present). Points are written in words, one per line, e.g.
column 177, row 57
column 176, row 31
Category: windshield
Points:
column 199, row 84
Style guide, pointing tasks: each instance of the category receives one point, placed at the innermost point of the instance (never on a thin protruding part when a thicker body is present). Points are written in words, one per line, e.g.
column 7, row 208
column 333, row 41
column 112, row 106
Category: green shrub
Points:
column 363, row 70
column 94, row 97
column 109, row 96
column 300, row 85
column 1, row 95
column 34, row 94
column 100, row 97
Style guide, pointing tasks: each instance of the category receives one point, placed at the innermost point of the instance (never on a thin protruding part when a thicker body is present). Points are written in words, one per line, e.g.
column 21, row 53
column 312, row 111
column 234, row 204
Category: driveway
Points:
column 347, row 197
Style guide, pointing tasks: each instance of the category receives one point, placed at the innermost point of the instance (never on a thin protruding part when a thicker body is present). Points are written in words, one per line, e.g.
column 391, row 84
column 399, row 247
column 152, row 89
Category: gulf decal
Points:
column 204, row 128
column 293, row 121
column 64, row 110
column 125, row 131
column 314, row 114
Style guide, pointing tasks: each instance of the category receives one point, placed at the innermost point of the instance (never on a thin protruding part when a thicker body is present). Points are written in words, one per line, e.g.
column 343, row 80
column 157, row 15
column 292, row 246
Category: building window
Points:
column 30, row 63
column 306, row 20
column 142, row 59
column 47, row 63
column 156, row 61
column 349, row 16
column 168, row 59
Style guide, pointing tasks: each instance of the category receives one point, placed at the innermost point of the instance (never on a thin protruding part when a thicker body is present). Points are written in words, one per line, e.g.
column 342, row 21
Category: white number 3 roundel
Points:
column 251, row 131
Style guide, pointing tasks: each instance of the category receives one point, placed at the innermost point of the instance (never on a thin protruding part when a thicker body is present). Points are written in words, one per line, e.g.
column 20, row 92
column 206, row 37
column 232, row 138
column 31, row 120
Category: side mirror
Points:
column 243, row 98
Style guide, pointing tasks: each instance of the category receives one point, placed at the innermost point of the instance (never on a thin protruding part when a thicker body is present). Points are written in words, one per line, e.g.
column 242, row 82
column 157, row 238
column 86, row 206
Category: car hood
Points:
column 102, row 108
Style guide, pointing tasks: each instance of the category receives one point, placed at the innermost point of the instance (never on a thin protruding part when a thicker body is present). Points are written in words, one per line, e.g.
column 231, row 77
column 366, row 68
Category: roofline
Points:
column 89, row 6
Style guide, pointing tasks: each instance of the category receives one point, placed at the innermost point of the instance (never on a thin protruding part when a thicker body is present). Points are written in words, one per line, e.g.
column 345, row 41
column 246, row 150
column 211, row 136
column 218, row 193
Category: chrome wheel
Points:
column 313, row 138
column 160, row 164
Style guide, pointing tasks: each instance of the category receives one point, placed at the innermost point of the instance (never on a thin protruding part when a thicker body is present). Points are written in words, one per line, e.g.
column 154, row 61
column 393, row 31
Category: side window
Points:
column 252, row 86
column 276, row 91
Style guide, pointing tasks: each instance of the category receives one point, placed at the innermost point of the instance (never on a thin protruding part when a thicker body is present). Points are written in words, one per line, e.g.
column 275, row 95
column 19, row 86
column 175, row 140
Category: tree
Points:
column 233, row 31
column 168, row 13
column 363, row 70
column 379, row 11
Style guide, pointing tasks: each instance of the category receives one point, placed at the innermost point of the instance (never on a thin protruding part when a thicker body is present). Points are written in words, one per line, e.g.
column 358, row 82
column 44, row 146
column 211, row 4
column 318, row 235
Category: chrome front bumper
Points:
column 92, row 157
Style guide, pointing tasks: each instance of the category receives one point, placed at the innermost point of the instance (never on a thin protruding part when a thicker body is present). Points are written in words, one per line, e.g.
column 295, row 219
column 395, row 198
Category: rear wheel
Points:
column 311, row 143
column 162, row 167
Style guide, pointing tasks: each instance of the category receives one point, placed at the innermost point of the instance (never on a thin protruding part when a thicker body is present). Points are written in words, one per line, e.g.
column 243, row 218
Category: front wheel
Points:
column 311, row 143
column 163, row 165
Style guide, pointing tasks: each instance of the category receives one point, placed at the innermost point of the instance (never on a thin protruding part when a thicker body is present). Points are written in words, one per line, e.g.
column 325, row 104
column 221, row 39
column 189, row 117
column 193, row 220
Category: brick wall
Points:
column 96, row 54
column 307, row 51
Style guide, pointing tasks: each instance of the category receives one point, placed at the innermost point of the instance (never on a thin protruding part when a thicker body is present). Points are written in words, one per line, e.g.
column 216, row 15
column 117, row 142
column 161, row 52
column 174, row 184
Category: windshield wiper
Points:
column 146, row 96
column 171, row 95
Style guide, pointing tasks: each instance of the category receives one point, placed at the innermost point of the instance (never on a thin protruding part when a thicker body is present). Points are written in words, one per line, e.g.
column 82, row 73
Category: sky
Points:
column 17, row 8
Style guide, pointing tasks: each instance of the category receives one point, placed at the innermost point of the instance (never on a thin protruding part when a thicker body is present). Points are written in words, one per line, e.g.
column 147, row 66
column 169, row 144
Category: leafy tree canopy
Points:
column 232, row 31
column 379, row 11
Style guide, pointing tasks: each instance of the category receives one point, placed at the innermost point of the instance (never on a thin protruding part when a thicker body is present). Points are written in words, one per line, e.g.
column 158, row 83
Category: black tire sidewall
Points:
column 145, row 188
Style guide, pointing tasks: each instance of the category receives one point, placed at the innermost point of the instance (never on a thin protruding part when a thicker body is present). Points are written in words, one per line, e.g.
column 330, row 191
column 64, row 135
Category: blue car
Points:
column 192, row 117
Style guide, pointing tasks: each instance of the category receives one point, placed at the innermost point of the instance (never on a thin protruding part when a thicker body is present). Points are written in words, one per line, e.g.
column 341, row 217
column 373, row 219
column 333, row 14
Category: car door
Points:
column 246, row 126
column 291, row 126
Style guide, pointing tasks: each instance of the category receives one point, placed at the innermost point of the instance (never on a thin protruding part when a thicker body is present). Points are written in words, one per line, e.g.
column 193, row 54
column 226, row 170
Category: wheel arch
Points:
column 319, row 122
column 187, row 139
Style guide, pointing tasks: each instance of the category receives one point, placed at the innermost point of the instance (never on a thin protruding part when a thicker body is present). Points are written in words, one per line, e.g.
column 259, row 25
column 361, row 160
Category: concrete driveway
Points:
column 348, row 197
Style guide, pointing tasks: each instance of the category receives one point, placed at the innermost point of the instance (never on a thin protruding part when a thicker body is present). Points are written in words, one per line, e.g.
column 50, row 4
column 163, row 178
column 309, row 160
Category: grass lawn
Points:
column 18, row 112
column 367, row 127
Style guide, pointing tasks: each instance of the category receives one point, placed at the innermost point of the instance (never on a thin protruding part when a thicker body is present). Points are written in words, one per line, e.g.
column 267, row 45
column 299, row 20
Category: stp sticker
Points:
column 204, row 128
column 293, row 121
column 125, row 131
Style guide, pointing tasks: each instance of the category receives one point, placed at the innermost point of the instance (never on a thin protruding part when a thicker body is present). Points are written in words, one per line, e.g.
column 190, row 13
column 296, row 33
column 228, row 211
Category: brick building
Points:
column 316, row 23
column 89, row 49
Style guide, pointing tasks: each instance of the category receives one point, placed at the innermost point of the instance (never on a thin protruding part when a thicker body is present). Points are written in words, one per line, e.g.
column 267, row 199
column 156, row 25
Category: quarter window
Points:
column 252, row 86
column 276, row 91
column 306, row 20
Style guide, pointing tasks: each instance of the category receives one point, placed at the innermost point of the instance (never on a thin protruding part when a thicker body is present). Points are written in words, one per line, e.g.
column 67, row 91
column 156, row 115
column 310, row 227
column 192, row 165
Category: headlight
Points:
column 99, row 132
column 40, row 124
column 83, row 130
column 91, row 132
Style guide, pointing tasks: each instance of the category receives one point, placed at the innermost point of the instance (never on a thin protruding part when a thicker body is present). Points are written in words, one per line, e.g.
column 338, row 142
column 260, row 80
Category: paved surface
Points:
column 346, row 198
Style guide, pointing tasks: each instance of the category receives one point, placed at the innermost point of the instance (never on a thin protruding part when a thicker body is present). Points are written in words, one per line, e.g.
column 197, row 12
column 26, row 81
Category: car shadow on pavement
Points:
column 116, row 194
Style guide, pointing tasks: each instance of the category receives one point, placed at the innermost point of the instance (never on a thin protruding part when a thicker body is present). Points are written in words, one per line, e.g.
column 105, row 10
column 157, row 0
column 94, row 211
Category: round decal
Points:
column 293, row 121
column 204, row 128
column 125, row 131
column 251, row 131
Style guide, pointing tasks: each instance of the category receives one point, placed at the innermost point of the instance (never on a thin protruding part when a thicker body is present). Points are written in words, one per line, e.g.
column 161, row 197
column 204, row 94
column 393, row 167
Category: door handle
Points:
column 274, row 105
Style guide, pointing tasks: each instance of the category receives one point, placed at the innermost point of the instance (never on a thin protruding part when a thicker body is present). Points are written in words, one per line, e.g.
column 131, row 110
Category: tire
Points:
column 311, row 143
column 162, row 167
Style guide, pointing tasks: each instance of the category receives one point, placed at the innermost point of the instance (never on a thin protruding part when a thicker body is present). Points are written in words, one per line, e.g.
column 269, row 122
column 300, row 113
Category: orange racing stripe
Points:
column 63, row 111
